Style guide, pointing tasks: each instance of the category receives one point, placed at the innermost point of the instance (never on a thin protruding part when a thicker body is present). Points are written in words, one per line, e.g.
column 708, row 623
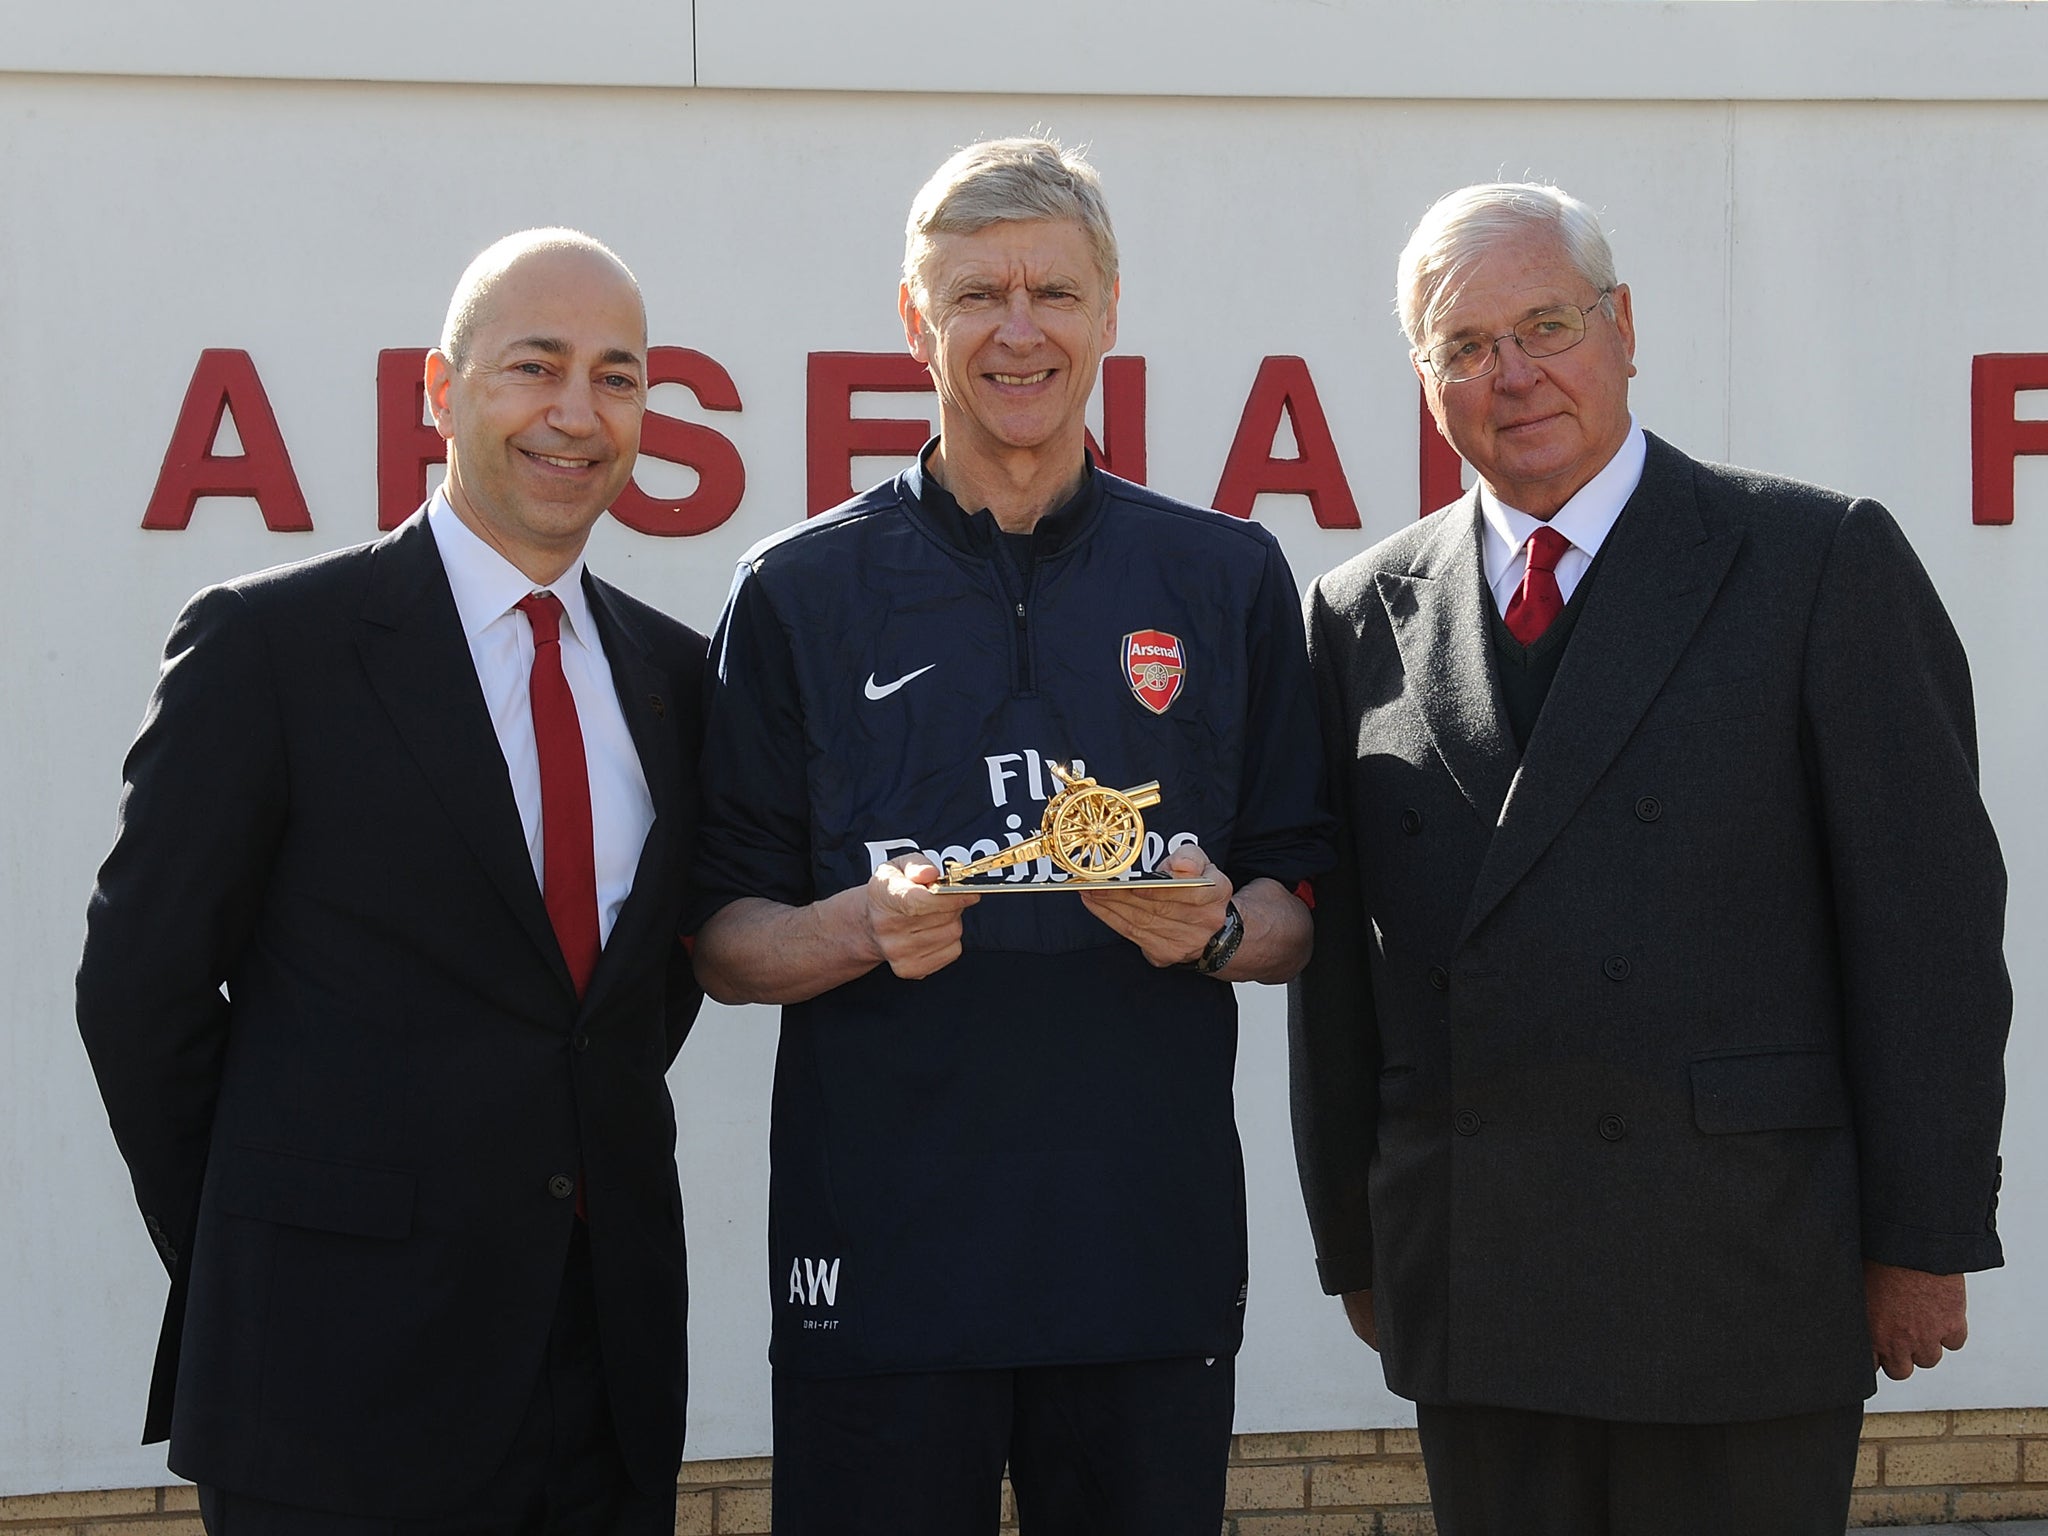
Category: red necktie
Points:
column 1537, row 600
column 568, row 864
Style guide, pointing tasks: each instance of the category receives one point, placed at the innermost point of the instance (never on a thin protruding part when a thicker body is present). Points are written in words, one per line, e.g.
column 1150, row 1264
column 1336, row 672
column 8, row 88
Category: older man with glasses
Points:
column 1648, row 1071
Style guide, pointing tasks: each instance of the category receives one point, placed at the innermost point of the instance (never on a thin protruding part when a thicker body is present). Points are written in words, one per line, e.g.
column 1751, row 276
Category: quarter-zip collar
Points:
column 974, row 533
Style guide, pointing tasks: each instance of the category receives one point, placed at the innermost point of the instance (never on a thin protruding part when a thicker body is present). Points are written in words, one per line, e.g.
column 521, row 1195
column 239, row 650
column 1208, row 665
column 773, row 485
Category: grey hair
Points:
column 470, row 305
column 1001, row 181
column 1462, row 225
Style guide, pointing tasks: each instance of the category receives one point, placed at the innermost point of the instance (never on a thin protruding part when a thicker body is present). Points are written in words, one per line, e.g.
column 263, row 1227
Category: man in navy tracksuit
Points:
column 1007, row 1215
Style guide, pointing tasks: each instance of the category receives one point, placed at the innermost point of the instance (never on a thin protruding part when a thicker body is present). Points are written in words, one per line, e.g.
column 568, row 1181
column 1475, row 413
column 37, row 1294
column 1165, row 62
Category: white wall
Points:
column 1811, row 280
column 1799, row 50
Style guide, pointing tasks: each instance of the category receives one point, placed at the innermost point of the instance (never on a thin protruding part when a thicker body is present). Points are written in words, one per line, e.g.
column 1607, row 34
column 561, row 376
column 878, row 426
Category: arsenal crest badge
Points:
column 1155, row 665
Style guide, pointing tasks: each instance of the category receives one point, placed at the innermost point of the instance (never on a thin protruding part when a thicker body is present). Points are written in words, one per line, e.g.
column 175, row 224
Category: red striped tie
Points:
column 568, row 862
column 1537, row 601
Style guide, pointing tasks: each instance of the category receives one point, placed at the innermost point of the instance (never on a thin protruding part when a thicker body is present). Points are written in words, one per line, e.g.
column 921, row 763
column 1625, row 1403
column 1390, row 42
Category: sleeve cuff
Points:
column 1345, row 1272
column 1938, row 1253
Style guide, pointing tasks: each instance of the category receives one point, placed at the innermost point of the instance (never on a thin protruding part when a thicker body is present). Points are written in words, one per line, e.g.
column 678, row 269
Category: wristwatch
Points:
column 1220, row 949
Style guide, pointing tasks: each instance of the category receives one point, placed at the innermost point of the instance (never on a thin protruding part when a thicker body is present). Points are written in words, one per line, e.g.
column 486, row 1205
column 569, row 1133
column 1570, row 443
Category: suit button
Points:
column 1616, row 968
column 169, row 1249
column 1439, row 978
column 582, row 1041
column 1411, row 821
column 1649, row 808
column 561, row 1186
column 1467, row 1122
column 1612, row 1127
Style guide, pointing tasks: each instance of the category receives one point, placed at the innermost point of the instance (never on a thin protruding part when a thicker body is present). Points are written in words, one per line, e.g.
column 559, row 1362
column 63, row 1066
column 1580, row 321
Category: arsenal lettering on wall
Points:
column 225, row 386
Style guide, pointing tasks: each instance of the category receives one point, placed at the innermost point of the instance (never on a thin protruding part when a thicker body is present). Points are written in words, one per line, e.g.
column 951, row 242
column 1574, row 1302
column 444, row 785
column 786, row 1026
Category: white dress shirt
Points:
column 486, row 586
column 1585, row 520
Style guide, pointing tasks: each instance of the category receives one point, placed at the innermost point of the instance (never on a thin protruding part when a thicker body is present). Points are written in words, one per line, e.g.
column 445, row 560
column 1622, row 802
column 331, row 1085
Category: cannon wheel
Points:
column 1095, row 833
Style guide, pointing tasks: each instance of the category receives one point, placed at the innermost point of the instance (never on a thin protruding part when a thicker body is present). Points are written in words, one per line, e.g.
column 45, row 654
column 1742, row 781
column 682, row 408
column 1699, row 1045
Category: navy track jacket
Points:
column 1030, row 1157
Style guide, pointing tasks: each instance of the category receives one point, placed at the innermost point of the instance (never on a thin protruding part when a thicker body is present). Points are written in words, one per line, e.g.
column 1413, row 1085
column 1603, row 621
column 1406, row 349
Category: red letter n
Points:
column 224, row 384
column 1122, row 449
column 1442, row 471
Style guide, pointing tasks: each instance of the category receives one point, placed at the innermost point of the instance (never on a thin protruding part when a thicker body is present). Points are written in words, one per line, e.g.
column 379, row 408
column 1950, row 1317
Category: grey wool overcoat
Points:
column 1616, row 1060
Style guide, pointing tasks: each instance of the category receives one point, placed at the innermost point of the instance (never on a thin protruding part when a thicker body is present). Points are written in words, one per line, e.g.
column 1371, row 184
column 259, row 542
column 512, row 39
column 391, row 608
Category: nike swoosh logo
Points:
column 875, row 690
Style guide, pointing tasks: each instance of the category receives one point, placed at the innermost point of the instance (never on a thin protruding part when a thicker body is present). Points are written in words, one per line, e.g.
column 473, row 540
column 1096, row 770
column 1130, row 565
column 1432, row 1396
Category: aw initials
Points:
column 811, row 1278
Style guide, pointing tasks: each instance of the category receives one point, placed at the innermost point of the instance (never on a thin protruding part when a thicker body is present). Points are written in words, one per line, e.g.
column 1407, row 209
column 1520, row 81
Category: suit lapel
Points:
column 1661, row 569
column 1440, row 619
column 412, row 647
column 646, row 699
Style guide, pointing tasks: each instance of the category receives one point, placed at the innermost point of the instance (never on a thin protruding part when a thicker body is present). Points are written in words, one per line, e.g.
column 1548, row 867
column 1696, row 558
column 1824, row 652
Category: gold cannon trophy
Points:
column 1090, row 833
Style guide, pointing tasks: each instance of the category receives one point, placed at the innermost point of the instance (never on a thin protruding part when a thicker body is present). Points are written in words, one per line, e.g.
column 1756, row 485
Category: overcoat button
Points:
column 1411, row 821
column 1467, row 1122
column 1649, row 808
column 582, row 1041
column 561, row 1186
column 1617, row 967
column 1439, row 978
column 1613, row 1127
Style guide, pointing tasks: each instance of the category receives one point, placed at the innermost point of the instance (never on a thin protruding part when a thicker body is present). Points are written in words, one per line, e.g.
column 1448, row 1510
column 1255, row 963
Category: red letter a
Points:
column 225, row 383
column 1283, row 384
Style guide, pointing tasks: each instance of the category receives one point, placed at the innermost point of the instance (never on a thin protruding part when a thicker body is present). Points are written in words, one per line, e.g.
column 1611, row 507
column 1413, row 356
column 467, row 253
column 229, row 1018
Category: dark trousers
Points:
column 1505, row 1472
column 563, row 1477
column 1131, row 1449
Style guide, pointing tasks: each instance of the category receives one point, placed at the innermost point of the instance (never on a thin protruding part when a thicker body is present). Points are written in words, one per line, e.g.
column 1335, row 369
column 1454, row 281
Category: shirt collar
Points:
column 975, row 531
column 486, row 585
column 1586, row 519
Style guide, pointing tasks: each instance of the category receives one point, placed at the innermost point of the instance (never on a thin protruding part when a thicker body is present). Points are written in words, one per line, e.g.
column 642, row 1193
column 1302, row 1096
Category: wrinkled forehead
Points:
column 1500, row 283
column 1013, row 251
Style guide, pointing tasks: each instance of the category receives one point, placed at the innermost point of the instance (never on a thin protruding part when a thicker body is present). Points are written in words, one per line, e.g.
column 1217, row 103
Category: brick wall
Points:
column 117, row 1512
column 1914, row 1469
column 1973, row 1464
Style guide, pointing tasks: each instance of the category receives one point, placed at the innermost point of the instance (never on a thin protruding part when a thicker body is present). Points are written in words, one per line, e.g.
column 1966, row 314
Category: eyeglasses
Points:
column 1544, row 334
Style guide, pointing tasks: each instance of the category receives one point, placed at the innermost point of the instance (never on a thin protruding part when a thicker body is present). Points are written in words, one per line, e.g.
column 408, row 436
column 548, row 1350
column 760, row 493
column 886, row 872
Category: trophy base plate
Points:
column 1044, row 887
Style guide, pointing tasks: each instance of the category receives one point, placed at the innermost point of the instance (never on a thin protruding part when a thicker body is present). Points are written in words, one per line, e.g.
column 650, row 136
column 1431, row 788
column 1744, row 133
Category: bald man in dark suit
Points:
column 381, row 978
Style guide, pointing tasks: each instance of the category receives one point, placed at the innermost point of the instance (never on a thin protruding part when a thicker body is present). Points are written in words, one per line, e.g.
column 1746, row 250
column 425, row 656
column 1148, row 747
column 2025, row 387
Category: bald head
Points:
column 469, row 310
column 539, row 386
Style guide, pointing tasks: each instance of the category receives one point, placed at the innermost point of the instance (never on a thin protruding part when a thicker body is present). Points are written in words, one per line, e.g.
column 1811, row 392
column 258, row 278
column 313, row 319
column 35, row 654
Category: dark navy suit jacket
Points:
column 343, row 1055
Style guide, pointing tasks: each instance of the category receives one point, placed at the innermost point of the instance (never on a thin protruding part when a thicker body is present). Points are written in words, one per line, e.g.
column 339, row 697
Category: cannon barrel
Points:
column 1143, row 796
